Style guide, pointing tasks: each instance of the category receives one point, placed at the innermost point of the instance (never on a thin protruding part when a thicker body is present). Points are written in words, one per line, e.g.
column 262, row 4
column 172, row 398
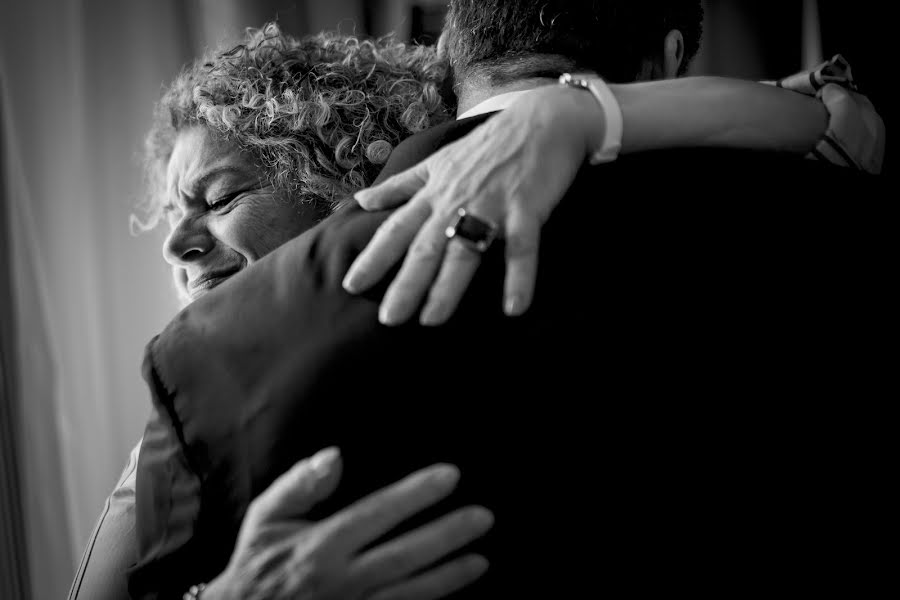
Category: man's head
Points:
column 497, row 42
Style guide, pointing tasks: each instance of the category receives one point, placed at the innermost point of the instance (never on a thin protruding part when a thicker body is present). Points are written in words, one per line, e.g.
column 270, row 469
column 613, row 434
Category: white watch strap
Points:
column 615, row 123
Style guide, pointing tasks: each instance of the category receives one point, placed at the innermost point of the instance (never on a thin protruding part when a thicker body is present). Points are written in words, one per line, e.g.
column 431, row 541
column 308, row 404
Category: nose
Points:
column 188, row 241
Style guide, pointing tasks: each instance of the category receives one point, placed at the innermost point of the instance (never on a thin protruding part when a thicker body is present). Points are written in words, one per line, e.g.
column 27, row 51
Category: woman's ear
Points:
column 673, row 54
column 442, row 45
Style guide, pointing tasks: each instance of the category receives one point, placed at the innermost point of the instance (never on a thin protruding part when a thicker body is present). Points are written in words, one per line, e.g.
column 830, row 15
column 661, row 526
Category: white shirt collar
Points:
column 494, row 103
column 503, row 101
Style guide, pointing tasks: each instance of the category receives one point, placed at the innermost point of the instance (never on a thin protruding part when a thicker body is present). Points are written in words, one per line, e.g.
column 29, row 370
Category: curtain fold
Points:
column 81, row 78
column 14, row 580
column 45, row 518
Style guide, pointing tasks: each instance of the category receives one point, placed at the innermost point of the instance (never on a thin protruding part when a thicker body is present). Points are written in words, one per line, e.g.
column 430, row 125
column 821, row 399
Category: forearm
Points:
column 720, row 113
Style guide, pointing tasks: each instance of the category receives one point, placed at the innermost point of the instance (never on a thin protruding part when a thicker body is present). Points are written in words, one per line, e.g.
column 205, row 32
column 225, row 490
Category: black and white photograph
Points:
column 465, row 299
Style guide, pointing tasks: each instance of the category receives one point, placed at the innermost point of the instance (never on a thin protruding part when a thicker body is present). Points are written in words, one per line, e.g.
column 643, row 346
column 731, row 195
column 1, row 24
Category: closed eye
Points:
column 224, row 201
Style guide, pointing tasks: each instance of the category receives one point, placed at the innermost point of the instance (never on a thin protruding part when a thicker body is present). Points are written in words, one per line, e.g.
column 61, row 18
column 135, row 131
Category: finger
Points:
column 849, row 128
column 409, row 553
column 459, row 266
column 395, row 190
column 856, row 125
column 419, row 268
column 380, row 512
column 523, row 234
column 387, row 246
column 437, row 583
column 296, row 491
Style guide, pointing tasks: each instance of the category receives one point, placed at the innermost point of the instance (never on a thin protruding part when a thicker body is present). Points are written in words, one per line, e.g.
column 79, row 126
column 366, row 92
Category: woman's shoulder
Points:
column 112, row 546
column 127, row 479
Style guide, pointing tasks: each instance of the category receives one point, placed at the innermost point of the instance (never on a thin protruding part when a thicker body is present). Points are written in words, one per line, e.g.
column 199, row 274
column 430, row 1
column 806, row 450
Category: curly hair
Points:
column 319, row 115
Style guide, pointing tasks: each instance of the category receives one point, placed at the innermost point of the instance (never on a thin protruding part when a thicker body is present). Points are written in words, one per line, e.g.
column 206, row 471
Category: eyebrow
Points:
column 202, row 183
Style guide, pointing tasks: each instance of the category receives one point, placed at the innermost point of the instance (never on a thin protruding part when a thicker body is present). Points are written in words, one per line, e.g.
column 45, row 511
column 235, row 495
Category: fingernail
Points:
column 323, row 461
column 386, row 315
column 434, row 314
column 513, row 306
column 446, row 474
column 482, row 517
column 392, row 314
column 350, row 282
column 477, row 565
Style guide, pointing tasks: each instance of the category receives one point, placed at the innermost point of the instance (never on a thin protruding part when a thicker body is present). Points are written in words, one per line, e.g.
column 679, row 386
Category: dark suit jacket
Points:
column 660, row 420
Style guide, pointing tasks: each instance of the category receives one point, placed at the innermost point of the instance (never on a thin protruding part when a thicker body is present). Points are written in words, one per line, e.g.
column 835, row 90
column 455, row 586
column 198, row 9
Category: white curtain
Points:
column 80, row 81
column 80, row 78
column 14, row 576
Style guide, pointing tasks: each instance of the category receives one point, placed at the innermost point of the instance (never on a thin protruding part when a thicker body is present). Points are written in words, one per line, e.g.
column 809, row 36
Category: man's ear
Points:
column 673, row 54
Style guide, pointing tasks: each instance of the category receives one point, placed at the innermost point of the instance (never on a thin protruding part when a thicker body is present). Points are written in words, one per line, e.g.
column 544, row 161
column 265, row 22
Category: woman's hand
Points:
column 515, row 168
column 280, row 555
column 511, row 171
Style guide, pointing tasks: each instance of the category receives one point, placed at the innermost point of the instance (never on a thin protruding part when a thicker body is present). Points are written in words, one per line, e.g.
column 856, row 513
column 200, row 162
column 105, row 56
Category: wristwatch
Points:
column 615, row 124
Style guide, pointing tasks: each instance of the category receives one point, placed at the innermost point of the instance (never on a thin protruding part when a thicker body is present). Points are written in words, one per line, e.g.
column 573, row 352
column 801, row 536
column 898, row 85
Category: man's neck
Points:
column 471, row 95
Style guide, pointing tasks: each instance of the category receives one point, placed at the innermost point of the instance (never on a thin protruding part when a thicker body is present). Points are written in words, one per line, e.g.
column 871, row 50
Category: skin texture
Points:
column 223, row 222
column 437, row 271
column 279, row 555
column 499, row 185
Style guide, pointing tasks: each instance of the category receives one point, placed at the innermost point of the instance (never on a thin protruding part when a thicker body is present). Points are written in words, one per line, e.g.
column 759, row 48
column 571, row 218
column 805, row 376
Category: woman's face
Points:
column 221, row 216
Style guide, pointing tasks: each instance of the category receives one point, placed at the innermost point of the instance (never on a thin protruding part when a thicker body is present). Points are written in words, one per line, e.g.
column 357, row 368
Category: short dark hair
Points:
column 614, row 38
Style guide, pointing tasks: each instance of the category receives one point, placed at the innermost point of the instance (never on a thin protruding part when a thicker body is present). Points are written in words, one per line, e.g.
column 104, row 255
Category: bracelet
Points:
column 194, row 592
column 615, row 123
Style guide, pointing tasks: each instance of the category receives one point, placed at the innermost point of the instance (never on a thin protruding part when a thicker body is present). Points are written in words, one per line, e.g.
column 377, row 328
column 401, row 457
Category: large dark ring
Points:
column 477, row 233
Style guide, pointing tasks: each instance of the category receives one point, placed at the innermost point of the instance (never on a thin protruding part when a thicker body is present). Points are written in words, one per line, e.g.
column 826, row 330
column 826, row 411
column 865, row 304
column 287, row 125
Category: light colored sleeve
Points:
column 112, row 547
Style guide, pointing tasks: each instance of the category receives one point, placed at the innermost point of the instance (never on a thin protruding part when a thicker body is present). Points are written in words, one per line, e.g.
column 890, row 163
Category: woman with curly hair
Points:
column 250, row 147
column 302, row 124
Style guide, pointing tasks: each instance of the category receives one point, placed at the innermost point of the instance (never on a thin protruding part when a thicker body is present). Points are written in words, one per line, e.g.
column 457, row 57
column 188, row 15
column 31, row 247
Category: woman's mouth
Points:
column 208, row 281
